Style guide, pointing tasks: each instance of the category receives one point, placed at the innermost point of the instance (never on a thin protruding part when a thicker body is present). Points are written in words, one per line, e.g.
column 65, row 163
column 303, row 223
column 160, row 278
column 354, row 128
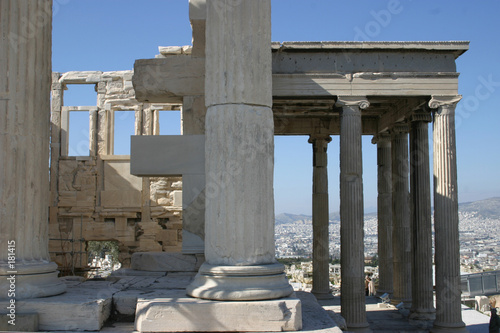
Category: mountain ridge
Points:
column 486, row 208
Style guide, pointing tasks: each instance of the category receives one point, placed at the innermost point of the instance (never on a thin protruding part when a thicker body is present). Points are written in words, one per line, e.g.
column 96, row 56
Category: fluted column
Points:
column 239, row 151
column 384, row 213
column 321, row 274
column 57, row 92
column 422, row 308
column 351, row 214
column 401, row 231
column 447, row 246
column 25, row 84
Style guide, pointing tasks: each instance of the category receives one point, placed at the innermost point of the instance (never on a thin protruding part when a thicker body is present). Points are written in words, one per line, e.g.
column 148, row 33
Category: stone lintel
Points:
column 306, row 126
column 167, row 155
column 180, row 313
column 457, row 48
column 168, row 80
column 197, row 10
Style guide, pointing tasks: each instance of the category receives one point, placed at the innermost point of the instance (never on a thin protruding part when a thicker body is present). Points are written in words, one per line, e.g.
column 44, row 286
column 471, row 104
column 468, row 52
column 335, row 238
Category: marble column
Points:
column 239, row 150
column 352, row 263
column 25, row 71
column 422, row 308
column 401, row 231
column 321, row 272
column 447, row 246
column 57, row 92
column 384, row 213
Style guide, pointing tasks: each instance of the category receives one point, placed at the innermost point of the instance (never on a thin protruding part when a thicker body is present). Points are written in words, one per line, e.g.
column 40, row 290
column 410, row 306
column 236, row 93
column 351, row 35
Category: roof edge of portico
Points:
column 456, row 47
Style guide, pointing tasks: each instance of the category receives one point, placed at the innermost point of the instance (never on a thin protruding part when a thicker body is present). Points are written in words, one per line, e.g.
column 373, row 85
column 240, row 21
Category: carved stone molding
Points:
column 360, row 101
column 442, row 100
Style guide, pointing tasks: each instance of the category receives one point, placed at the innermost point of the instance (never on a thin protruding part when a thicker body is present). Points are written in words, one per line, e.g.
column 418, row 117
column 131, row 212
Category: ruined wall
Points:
column 93, row 197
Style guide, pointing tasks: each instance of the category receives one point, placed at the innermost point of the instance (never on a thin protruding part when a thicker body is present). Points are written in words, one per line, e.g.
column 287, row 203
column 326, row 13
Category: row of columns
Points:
column 405, row 229
column 404, row 215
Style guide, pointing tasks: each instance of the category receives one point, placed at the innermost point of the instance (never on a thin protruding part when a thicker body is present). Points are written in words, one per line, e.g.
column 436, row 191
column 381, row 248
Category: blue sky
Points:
column 110, row 34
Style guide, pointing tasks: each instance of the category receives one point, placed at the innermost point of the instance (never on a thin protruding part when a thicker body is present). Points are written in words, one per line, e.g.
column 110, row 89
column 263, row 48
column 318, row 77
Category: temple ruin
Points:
column 94, row 197
column 234, row 98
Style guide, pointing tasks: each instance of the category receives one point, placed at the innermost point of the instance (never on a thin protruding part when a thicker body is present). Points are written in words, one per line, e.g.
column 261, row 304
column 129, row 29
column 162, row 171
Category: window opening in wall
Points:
column 124, row 127
column 78, row 132
column 170, row 122
column 80, row 94
column 103, row 258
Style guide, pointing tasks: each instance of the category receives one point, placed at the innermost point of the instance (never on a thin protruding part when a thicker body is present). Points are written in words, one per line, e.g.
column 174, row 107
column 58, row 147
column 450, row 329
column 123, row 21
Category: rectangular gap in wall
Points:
column 124, row 128
column 80, row 94
column 170, row 122
column 78, row 135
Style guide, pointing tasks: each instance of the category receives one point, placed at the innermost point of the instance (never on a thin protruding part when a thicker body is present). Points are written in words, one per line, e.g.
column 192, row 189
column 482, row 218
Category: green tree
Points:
column 101, row 248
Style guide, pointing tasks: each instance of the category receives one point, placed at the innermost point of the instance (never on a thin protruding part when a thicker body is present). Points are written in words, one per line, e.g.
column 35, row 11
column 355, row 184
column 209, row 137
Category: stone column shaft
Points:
column 239, row 151
column 422, row 286
column 25, row 71
column 351, row 214
column 384, row 214
column 321, row 273
column 55, row 144
column 401, row 231
column 447, row 246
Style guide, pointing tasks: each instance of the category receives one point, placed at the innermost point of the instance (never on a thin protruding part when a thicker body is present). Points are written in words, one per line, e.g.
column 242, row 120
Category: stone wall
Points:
column 94, row 197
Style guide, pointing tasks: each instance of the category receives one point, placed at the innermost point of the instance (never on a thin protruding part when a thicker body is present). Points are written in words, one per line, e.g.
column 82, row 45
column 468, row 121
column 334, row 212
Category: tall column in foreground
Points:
column 422, row 308
column 351, row 214
column 447, row 246
column 384, row 213
column 25, row 80
column 239, row 152
column 401, row 232
column 321, row 272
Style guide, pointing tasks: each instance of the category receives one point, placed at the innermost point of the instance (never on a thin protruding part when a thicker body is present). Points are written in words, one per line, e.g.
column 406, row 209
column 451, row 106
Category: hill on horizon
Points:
column 487, row 208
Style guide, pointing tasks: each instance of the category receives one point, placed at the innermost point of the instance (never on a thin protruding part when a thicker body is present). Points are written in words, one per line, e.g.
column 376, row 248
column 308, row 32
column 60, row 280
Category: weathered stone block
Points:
column 165, row 262
column 179, row 313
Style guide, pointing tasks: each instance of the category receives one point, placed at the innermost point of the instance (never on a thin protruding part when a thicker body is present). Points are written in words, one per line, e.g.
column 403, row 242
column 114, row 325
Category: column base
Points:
column 240, row 283
column 31, row 280
column 359, row 328
column 322, row 295
column 423, row 319
column 448, row 328
column 425, row 315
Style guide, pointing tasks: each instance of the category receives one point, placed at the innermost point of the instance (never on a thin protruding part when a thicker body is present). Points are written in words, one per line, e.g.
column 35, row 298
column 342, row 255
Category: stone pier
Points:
column 351, row 214
column 239, row 149
column 321, row 276
column 401, row 246
column 25, row 71
column 422, row 308
column 447, row 246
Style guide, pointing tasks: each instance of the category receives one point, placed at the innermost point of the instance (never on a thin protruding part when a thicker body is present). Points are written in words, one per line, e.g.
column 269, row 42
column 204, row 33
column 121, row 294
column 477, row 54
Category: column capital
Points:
column 360, row 101
column 444, row 100
column 315, row 137
column 420, row 116
column 381, row 137
column 399, row 128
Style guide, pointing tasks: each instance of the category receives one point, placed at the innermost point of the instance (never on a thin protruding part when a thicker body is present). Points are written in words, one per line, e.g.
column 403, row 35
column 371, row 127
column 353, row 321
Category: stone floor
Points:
column 77, row 309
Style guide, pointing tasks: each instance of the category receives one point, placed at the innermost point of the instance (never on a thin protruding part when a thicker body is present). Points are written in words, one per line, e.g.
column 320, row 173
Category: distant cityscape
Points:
column 479, row 236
